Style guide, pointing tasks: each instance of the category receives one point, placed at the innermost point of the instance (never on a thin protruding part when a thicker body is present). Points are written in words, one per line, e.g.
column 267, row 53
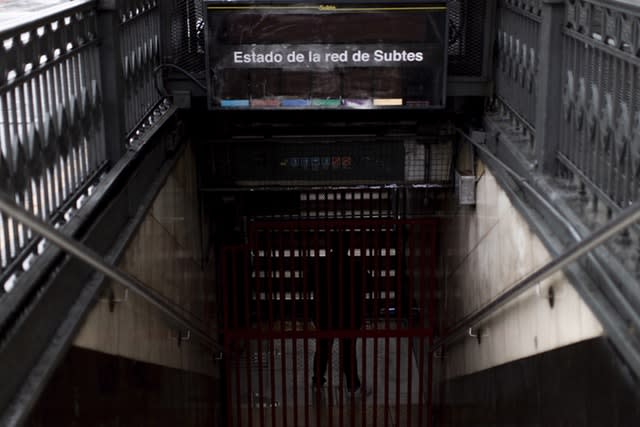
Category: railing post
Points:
column 549, row 105
column 490, row 33
column 112, row 82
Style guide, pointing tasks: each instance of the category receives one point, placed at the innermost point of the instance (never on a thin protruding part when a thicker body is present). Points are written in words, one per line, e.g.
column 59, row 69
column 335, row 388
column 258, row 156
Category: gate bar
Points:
column 94, row 260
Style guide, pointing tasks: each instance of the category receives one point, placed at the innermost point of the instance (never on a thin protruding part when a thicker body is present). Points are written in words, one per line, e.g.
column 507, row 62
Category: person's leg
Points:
column 350, row 363
column 320, row 361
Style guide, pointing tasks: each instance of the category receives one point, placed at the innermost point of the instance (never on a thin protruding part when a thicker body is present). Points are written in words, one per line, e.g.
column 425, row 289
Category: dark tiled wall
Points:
column 582, row 385
column 95, row 389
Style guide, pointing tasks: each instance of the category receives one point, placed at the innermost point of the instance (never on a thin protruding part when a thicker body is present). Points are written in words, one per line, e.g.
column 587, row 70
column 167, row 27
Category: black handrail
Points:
column 94, row 260
column 626, row 218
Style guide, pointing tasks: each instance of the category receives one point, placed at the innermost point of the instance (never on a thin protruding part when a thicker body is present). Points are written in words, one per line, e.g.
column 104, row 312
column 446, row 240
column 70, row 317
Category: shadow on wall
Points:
column 95, row 389
column 581, row 385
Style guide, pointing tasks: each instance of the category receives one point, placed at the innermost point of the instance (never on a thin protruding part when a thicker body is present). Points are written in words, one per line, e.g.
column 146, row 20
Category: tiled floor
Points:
column 277, row 386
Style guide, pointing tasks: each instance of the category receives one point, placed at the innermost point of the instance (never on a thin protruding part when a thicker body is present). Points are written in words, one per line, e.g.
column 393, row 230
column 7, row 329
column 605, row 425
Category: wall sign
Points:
column 280, row 55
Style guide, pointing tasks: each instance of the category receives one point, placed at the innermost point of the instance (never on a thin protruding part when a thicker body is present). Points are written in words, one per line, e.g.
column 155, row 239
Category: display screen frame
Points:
column 404, row 66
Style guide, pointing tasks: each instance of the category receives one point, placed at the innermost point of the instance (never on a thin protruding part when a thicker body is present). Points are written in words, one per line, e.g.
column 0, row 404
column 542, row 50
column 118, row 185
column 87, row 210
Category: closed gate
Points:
column 329, row 322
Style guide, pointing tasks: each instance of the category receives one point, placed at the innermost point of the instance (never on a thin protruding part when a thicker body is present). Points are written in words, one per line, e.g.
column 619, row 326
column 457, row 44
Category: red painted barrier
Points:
column 330, row 322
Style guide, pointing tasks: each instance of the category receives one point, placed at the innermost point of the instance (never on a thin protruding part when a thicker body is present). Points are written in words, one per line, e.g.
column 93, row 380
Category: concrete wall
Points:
column 165, row 253
column 580, row 385
column 488, row 249
column 91, row 388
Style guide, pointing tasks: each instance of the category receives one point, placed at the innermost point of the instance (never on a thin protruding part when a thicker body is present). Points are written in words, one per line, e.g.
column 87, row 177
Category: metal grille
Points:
column 187, row 38
column 518, row 33
column 602, row 100
column 466, row 37
column 51, row 129
column 377, row 203
column 440, row 163
column 140, row 50
column 599, row 123
column 372, row 281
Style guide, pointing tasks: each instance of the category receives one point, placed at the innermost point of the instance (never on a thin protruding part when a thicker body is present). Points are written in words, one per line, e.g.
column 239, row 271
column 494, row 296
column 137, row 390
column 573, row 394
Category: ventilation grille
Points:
column 466, row 37
column 187, row 38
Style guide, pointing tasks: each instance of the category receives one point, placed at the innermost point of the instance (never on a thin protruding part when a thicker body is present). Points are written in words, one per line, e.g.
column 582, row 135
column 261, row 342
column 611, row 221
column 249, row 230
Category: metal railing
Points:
column 77, row 89
column 587, row 107
column 582, row 247
column 140, row 36
column 51, row 130
column 518, row 33
column 584, row 112
column 79, row 115
column 168, row 308
column 601, row 121
column 568, row 73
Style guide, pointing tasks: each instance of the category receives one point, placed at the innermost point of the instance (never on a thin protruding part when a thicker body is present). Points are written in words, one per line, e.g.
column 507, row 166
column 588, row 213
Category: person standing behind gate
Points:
column 339, row 302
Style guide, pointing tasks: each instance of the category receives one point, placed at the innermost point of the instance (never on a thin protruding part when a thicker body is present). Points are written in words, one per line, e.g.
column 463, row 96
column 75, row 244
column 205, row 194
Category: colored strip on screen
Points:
column 295, row 103
column 387, row 102
column 234, row 103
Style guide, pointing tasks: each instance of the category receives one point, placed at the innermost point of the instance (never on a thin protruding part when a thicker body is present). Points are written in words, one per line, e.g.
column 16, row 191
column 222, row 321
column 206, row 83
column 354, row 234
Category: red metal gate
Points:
column 329, row 322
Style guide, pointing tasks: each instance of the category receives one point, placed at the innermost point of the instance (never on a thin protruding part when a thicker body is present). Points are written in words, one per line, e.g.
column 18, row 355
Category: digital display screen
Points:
column 278, row 55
